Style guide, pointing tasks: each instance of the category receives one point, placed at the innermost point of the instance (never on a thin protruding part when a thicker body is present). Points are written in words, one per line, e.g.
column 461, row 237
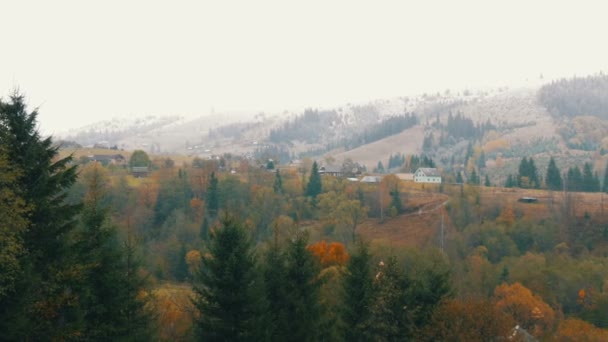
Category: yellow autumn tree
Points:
column 528, row 309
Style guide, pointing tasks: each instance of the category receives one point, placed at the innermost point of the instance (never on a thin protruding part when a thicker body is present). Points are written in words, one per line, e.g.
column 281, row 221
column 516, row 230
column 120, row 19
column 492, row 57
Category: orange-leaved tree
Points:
column 329, row 254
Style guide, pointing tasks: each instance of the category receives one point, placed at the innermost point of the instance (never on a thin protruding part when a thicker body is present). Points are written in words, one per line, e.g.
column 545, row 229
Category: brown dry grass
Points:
column 421, row 228
column 408, row 142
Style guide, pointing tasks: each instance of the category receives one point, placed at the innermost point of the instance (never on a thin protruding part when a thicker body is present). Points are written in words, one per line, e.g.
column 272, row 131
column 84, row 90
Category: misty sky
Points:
column 85, row 61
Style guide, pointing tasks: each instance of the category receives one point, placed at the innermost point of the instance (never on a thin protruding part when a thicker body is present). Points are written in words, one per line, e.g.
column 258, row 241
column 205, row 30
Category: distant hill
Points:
column 566, row 119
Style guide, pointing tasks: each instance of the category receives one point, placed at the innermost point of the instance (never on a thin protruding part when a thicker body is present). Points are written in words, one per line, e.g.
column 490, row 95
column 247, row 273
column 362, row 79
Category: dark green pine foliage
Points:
column 574, row 179
column 174, row 193
column 553, row 178
column 396, row 200
column 474, row 178
column 528, row 175
column 228, row 291
column 481, row 161
column 275, row 279
column 314, row 186
column 459, row 179
column 302, row 307
column 357, row 294
column 204, row 231
column 45, row 303
column 428, row 284
column 277, row 186
column 487, row 181
column 213, row 198
column 390, row 319
column 111, row 306
column 380, row 167
column 590, row 180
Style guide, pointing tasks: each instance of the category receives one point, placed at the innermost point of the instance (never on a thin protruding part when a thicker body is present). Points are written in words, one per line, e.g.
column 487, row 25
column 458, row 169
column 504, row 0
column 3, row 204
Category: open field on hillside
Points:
column 408, row 142
column 420, row 227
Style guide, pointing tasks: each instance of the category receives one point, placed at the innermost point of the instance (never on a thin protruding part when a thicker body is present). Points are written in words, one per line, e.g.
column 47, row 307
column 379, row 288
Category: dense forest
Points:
column 577, row 96
column 308, row 127
column 228, row 250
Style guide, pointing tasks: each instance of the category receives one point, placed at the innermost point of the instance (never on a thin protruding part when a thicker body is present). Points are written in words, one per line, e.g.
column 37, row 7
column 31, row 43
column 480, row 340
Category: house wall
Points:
column 425, row 179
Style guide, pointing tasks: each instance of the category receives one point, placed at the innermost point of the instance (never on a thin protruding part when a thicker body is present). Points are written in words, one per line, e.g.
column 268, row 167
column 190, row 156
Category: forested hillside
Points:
column 577, row 96
column 228, row 249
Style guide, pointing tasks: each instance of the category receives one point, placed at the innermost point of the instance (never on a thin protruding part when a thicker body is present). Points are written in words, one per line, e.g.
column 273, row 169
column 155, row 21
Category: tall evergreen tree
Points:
column 459, row 179
column 396, row 200
column 481, row 161
column 574, row 179
column 590, row 181
column 229, row 297
column 213, row 196
column 487, row 181
column 204, row 231
column 276, row 295
column 277, row 186
column 303, row 309
column 45, row 301
column 389, row 318
column 474, row 178
column 528, row 175
column 357, row 294
column 108, row 304
column 380, row 167
column 314, row 186
column 553, row 178
column 12, row 250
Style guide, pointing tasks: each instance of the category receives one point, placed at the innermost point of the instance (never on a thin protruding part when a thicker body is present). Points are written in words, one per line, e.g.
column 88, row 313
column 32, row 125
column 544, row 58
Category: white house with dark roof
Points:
column 427, row 175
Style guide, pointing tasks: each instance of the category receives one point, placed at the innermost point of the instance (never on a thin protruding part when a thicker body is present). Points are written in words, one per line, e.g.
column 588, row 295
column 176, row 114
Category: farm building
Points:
column 427, row 175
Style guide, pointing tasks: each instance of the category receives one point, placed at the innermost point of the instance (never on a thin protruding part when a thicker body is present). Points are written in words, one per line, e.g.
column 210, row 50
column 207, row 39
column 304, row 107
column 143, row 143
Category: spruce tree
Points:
column 12, row 250
column 487, row 181
column 589, row 179
column 45, row 301
column 314, row 186
column 575, row 179
column 389, row 318
column 107, row 301
column 276, row 295
column 277, row 186
column 302, row 308
column 553, row 178
column 204, row 231
column 213, row 197
column 228, row 292
column 474, row 178
column 459, row 179
column 357, row 294
column 396, row 200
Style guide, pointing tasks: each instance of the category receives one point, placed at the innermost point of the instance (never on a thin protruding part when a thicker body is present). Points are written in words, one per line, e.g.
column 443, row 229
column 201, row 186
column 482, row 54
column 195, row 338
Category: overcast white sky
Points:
column 85, row 61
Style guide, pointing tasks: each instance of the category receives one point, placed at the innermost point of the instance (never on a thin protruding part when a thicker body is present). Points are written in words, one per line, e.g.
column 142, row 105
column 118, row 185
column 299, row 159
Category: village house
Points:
column 427, row 175
column 331, row 170
column 139, row 171
column 109, row 159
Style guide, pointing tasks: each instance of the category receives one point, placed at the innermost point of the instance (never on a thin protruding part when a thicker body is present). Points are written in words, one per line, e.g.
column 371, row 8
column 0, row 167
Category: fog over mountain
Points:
column 85, row 63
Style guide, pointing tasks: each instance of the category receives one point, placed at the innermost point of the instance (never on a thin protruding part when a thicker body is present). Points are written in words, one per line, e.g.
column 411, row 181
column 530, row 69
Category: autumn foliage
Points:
column 329, row 254
column 528, row 310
